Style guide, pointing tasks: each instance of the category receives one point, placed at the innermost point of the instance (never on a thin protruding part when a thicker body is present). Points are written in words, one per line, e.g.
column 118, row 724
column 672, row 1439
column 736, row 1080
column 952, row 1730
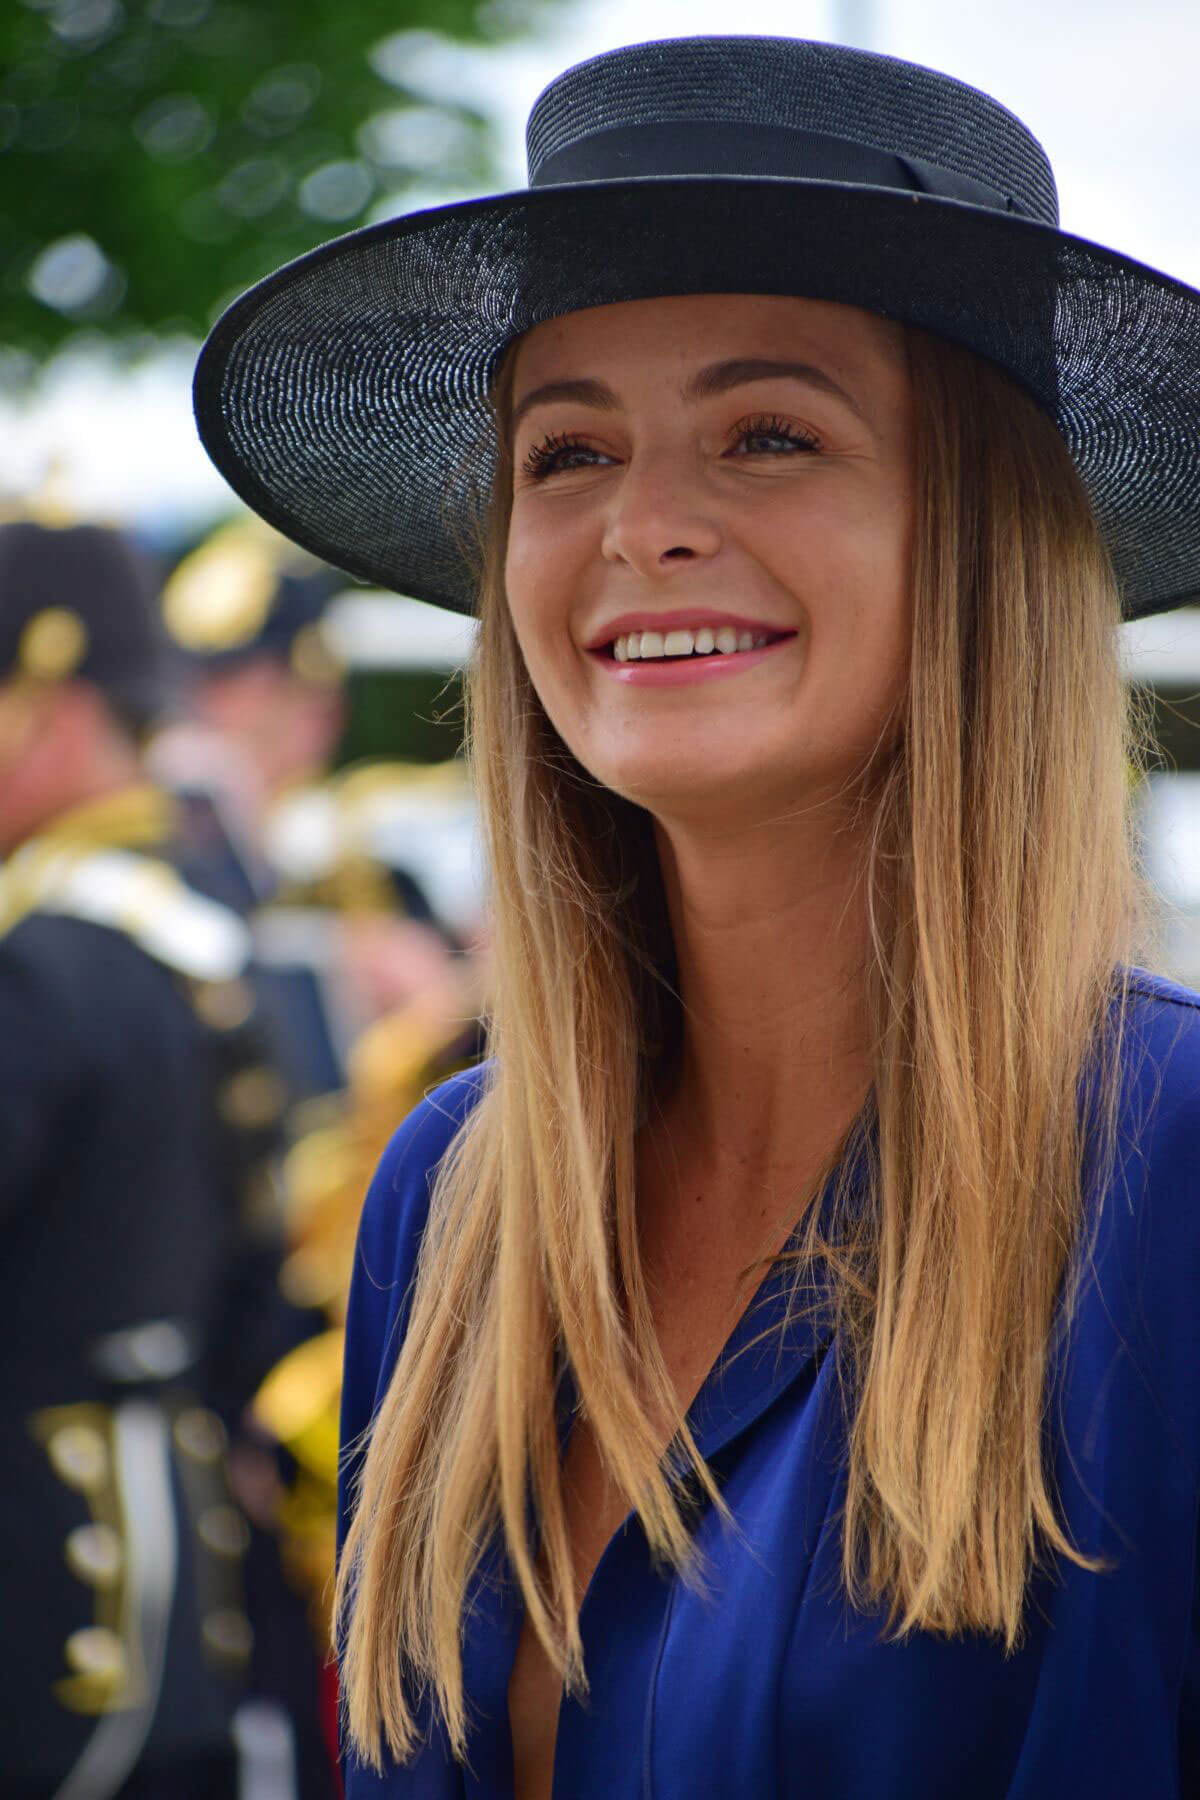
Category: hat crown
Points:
column 785, row 84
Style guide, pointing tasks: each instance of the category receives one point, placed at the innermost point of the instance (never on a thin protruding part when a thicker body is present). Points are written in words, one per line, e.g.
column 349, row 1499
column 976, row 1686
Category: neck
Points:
column 771, row 933
column 105, row 803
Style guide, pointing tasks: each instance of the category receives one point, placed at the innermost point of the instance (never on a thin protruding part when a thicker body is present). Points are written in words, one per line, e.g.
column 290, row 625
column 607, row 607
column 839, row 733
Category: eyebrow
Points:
column 705, row 384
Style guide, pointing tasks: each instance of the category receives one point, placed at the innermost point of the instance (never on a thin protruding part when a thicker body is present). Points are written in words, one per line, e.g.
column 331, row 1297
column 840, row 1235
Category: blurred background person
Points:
column 263, row 699
column 344, row 931
column 261, row 715
column 367, row 991
column 140, row 1126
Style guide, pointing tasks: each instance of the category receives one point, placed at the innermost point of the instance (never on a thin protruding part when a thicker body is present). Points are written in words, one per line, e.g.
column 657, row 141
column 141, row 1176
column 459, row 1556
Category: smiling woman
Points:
column 773, row 1372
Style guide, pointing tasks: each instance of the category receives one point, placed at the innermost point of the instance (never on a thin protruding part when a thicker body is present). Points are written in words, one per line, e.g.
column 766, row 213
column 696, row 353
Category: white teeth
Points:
column 635, row 645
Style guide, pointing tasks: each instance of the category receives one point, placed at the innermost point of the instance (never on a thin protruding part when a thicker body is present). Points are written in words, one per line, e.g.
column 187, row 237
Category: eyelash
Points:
column 543, row 459
column 771, row 425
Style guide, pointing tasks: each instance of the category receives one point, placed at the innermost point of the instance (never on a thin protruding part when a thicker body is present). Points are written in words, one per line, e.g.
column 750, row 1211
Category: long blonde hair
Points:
column 1002, row 891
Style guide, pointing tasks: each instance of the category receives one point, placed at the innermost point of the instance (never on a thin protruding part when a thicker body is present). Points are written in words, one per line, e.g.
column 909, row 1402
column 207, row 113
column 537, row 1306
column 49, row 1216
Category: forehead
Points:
column 639, row 337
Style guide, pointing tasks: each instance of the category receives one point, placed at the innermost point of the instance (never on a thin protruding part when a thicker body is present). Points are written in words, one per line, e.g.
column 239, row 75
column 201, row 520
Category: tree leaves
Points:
column 158, row 156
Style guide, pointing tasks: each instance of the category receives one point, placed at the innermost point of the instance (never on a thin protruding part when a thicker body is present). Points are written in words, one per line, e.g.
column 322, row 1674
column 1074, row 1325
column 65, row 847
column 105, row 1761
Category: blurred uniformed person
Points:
column 264, row 698
column 340, row 935
column 264, row 710
column 137, row 1126
column 370, row 993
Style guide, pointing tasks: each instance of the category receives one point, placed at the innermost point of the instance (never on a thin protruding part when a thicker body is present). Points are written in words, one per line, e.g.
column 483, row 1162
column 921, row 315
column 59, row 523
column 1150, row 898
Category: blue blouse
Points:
column 766, row 1683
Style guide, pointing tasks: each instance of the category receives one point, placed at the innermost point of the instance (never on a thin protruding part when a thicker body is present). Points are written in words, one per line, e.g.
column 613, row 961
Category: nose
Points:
column 659, row 518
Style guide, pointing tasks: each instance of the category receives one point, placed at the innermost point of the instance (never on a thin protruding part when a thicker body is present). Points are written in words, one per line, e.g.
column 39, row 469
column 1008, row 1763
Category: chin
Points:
column 700, row 788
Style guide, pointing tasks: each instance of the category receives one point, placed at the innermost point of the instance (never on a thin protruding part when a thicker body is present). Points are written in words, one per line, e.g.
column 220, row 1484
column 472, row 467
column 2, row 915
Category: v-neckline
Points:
column 784, row 1326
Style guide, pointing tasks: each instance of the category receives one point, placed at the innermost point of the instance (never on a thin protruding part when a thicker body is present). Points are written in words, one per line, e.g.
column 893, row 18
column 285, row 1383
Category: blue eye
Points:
column 555, row 453
column 769, row 435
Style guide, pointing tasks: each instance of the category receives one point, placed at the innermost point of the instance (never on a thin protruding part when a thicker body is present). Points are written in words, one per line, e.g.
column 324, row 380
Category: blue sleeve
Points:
column 1148, row 1252
column 389, row 1237
column 1137, row 1408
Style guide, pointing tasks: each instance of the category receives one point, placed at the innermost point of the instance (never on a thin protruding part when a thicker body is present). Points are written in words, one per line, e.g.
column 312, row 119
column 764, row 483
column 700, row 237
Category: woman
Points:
column 773, row 1372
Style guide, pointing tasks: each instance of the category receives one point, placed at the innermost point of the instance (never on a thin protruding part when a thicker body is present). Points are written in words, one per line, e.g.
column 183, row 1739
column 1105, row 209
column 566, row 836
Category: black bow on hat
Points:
column 345, row 398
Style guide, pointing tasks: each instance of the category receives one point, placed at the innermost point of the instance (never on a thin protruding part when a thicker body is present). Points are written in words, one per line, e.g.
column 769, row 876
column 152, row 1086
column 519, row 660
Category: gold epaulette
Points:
column 139, row 896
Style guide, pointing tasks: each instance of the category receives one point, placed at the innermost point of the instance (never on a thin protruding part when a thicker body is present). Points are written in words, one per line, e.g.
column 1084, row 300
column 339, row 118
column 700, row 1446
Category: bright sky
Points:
column 1110, row 89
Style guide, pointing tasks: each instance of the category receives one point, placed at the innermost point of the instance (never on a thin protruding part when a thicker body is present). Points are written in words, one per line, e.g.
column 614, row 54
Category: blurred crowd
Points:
column 223, row 982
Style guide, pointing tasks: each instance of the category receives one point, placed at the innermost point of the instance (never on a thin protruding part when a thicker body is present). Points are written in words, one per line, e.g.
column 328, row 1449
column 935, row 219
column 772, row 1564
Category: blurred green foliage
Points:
column 414, row 714
column 1175, row 729
column 158, row 156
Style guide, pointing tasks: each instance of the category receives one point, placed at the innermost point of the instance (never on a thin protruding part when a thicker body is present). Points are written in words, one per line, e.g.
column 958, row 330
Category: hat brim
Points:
column 345, row 398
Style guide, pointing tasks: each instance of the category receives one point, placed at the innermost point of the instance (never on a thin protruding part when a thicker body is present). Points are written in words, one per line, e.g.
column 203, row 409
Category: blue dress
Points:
column 766, row 1684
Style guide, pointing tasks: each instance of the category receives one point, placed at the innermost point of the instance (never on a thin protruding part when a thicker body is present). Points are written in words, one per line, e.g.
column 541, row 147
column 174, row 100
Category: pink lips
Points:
column 682, row 670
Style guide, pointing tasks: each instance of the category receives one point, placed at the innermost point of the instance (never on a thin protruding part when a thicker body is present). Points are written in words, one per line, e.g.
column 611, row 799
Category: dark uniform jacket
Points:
column 135, row 1117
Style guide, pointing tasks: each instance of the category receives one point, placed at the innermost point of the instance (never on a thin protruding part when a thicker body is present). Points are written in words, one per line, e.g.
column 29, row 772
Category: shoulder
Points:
column 53, row 961
column 1130, row 1399
column 1158, row 999
column 79, row 964
column 1161, row 1061
column 145, row 900
column 81, row 996
column 397, row 1201
column 1137, row 1318
column 393, row 1221
column 69, row 992
column 50, row 992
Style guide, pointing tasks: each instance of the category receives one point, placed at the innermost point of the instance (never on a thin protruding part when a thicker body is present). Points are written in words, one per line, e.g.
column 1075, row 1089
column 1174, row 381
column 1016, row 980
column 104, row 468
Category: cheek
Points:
column 855, row 577
column 538, row 578
column 520, row 584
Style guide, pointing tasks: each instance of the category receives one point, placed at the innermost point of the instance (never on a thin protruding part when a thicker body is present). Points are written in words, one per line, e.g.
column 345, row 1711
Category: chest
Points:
column 759, row 1680
column 699, row 1280
column 692, row 1320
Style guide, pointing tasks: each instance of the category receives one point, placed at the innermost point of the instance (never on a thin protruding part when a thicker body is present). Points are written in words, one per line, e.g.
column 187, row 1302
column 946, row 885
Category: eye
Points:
column 769, row 435
column 558, row 452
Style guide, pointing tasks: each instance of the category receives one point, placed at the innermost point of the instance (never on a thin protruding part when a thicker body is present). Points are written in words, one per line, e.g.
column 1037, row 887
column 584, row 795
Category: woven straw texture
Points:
column 345, row 398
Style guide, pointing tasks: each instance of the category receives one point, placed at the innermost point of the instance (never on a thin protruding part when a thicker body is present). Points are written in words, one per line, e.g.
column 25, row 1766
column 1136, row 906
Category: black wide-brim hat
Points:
column 345, row 398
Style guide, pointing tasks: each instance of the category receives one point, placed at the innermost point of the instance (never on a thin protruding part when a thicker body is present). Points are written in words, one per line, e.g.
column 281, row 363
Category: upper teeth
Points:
column 643, row 644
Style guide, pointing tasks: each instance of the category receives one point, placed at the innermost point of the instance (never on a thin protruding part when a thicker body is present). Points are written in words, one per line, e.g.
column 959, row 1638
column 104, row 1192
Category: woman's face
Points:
column 708, row 556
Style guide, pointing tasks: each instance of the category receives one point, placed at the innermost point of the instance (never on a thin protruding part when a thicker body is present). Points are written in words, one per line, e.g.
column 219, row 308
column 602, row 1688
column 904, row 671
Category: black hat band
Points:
column 693, row 147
